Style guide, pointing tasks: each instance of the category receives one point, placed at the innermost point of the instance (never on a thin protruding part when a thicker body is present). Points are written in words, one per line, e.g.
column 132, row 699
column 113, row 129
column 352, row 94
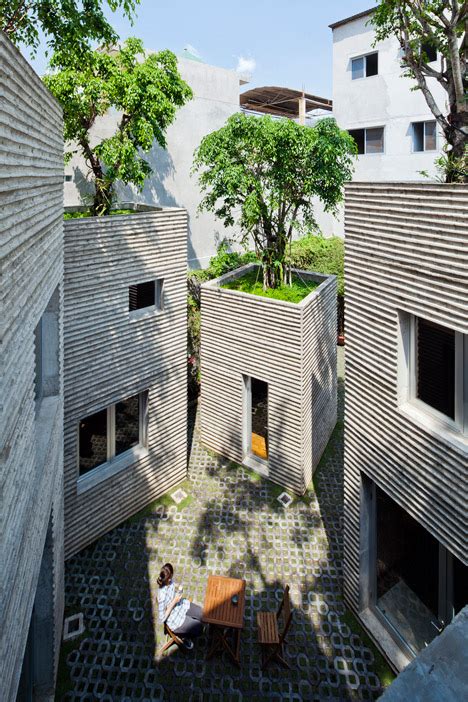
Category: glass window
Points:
column 93, row 441
column 435, row 366
column 38, row 362
column 357, row 68
column 375, row 140
column 430, row 132
column 359, row 137
column 372, row 64
column 127, row 424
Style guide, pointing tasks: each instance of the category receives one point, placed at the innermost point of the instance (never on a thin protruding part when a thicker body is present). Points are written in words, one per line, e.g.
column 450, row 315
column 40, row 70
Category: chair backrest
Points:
column 285, row 607
column 168, row 631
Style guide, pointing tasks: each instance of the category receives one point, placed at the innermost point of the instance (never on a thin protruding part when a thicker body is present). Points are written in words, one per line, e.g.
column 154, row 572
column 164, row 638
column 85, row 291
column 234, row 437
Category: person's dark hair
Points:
column 167, row 571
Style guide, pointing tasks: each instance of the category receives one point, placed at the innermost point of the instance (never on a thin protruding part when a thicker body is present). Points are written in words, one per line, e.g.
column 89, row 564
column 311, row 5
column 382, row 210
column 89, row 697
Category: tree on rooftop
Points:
column 68, row 25
column 441, row 25
column 146, row 92
column 263, row 172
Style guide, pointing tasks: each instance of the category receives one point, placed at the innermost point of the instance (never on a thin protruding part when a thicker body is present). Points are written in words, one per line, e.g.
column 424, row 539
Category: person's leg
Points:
column 195, row 611
column 190, row 628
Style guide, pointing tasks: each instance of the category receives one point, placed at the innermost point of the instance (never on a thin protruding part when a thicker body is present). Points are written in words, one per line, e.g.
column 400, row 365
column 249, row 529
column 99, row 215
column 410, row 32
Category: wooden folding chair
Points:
column 269, row 635
column 173, row 639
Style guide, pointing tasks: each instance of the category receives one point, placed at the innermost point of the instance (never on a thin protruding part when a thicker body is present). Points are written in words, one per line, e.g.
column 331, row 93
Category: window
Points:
column 435, row 361
column 255, row 433
column 365, row 66
column 424, row 136
column 144, row 295
column 369, row 141
column 113, row 432
column 429, row 52
column 68, row 178
column 46, row 352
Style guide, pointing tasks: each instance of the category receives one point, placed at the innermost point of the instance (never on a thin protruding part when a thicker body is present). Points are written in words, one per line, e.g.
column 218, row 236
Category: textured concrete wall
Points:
column 292, row 347
column 31, row 201
column 407, row 251
column 110, row 355
column 216, row 97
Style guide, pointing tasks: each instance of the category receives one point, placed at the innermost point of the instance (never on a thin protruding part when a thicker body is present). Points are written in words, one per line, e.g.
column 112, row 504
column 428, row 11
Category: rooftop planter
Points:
column 268, row 368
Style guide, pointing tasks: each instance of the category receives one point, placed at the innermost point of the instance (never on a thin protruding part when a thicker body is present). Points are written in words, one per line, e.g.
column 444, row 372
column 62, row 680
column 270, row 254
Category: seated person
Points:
column 181, row 616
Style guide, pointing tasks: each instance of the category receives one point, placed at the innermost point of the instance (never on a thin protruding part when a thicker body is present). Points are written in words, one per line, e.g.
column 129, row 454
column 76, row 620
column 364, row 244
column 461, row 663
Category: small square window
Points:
column 141, row 295
column 365, row 66
column 424, row 136
column 68, row 178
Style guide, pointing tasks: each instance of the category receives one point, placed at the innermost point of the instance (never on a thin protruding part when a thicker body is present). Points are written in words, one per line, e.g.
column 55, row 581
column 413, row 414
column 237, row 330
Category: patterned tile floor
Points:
column 232, row 525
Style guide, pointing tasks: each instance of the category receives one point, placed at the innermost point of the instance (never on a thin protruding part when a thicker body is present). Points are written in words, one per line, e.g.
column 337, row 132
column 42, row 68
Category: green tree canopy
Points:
column 68, row 25
column 441, row 25
column 263, row 173
column 146, row 92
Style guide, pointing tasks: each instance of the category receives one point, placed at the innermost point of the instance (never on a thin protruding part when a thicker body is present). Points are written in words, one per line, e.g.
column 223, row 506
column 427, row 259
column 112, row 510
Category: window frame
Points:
column 364, row 58
column 115, row 462
column 364, row 129
column 424, row 150
column 157, row 308
column 460, row 423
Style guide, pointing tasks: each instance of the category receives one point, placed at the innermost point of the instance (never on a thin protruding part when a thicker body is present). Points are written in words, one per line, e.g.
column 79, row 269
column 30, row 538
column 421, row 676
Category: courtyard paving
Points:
column 231, row 523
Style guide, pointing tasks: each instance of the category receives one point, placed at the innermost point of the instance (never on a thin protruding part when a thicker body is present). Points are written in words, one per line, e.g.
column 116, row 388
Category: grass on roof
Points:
column 252, row 282
column 87, row 213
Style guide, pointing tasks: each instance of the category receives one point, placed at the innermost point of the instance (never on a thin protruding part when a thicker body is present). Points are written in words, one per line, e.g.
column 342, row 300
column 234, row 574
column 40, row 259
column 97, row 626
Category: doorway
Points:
column 256, row 420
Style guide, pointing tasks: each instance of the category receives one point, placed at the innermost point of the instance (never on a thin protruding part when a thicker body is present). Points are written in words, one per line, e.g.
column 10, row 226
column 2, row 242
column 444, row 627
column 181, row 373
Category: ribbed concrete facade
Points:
column 112, row 354
column 291, row 347
column 31, row 439
column 406, row 254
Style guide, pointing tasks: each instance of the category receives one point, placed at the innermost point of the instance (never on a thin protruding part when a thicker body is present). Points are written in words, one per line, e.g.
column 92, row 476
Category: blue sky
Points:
column 289, row 43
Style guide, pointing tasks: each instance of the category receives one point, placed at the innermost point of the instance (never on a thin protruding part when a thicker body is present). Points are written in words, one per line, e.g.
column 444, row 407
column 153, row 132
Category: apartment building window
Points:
column 113, row 436
column 436, row 367
column 47, row 352
column 365, row 66
column 369, row 140
column 147, row 295
column 425, row 136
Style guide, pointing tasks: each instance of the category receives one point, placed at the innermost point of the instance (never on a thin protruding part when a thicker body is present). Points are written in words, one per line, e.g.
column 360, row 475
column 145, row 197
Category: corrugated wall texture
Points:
column 407, row 251
column 31, row 202
column 287, row 346
column 110, row 355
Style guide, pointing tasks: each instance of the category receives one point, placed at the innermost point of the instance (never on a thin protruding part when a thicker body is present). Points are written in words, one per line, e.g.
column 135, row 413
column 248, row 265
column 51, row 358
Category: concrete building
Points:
column 216, row 97
column 31, row 433
column 396, row 132
column 125, row 335
column 268, row 396
column 406, row 411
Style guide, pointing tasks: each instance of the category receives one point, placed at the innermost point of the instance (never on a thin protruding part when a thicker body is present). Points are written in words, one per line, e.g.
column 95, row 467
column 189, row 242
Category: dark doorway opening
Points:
column 259, row 404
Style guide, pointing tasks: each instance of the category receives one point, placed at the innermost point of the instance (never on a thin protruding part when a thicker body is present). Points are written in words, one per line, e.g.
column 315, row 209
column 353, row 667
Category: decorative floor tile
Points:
column 234, row 526
column 284, row 499
column 178, row 496
column 73, row 626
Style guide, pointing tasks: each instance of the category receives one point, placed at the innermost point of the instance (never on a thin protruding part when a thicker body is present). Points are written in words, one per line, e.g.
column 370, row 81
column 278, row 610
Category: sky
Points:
column 284, row 43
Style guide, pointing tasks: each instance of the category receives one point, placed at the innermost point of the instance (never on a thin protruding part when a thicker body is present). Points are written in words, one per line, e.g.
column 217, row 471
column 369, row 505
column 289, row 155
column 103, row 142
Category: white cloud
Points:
column 245, row 65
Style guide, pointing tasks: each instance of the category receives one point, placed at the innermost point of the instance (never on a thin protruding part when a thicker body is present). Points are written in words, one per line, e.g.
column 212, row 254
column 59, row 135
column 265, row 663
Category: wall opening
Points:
column 259, row 412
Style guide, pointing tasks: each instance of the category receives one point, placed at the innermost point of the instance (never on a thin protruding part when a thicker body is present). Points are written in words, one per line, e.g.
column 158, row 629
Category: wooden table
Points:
column 223, row 615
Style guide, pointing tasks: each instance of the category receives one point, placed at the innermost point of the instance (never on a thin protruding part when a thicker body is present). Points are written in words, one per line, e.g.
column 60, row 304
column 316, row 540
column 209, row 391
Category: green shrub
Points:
column 321, row 255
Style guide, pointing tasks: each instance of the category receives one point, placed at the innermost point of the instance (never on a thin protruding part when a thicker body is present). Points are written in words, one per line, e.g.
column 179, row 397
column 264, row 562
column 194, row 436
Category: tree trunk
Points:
column 273, row 262
column 102, row 201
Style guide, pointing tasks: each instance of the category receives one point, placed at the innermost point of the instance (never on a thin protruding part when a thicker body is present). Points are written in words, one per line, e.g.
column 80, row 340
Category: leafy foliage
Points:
column 442, row 25
column 251, row 282
column 316, row 253
column 69, row 25
column 146, row 91
column 263, row 174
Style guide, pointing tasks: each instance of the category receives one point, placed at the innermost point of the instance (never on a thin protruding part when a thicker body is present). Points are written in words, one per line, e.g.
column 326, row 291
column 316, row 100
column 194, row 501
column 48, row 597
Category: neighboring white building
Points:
column 216, row 97
column 395, row 130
